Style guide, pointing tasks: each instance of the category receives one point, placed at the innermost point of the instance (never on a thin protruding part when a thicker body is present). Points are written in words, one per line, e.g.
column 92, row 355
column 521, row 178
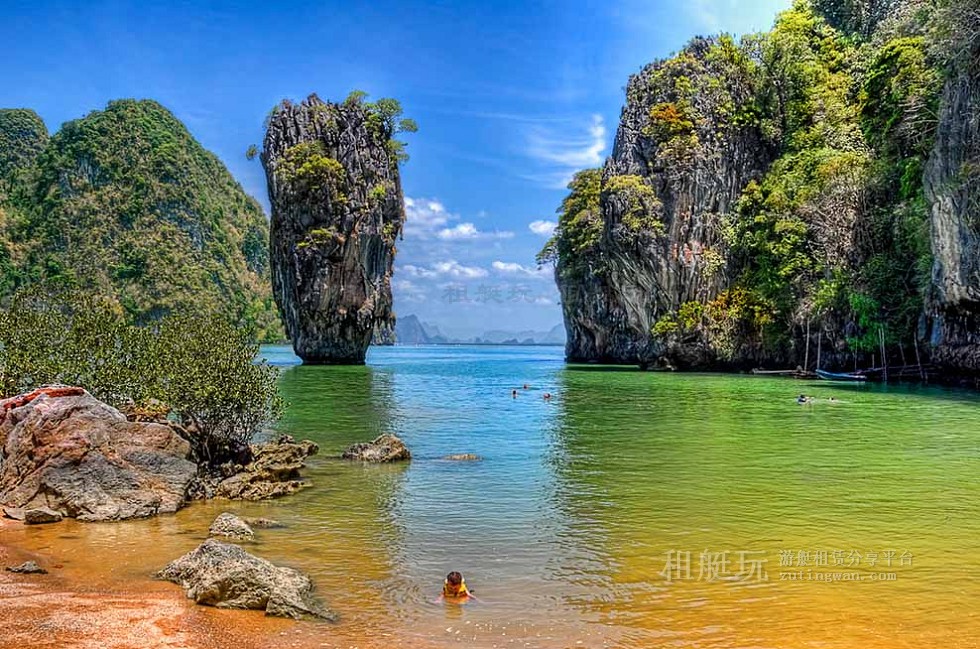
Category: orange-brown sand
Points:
column 53, row 611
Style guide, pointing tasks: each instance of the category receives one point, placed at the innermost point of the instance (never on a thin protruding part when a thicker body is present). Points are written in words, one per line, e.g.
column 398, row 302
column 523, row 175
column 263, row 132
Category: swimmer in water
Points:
column 454, row 588
column 547, row 396
column 802, row 399
column 525, row 386
column 513, row 393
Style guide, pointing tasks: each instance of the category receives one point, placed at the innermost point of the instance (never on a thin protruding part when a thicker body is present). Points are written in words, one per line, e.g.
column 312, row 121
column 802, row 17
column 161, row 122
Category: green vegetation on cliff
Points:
column 837, row 107
column 126, row 203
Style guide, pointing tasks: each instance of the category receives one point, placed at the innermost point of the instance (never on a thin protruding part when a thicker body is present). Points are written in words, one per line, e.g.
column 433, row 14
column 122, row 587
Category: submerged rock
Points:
column 274, row 471
column 385, row 448
column 231, row 526
column 337, row 209
column 41, row 515
column 28, row 568
column 263, row 523
column 226, row 576
column 463, row 457
column 63, row 449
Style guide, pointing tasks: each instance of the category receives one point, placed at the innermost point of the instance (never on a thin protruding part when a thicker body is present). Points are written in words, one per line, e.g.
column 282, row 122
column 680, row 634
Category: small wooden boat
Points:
column 837, row 376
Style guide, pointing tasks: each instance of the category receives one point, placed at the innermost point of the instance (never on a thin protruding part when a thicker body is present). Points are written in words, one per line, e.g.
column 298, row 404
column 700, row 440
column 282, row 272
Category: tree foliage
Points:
column 579, row 222
column 199, row 366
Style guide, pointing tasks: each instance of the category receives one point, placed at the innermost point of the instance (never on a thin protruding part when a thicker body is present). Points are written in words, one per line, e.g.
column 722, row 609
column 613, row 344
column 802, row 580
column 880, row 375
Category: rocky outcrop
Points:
column 385, row 448
column 63, row 449
column 679, row 165
column 337, row 209
column 952, row 183
column 273, row 472
column 232, row 527
column 226, row 576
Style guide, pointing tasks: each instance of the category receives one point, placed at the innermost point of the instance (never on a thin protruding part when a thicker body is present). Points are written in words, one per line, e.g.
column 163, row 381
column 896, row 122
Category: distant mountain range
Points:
column 409, row 330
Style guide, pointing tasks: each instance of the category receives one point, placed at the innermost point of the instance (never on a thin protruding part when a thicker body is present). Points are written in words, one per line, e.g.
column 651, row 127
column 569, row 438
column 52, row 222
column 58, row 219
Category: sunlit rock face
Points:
column 337, row 209
column 953, row 187
column 666, row 191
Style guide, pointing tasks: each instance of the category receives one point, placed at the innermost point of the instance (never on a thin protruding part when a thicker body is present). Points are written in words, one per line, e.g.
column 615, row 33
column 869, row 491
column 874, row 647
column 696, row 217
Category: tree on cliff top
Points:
column 579, row 222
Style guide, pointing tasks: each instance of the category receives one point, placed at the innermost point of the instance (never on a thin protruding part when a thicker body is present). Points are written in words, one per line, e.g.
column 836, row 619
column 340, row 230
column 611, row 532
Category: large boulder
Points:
column 385, row 448
column 63, row 449
column 273, row 471
column 337, row 211
column 224, row 575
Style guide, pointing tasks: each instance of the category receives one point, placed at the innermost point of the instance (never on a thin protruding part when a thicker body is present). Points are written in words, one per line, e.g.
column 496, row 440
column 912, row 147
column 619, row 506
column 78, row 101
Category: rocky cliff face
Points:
column 337, row 209
column 952, row 182
column 764, row 199
column 680, row 161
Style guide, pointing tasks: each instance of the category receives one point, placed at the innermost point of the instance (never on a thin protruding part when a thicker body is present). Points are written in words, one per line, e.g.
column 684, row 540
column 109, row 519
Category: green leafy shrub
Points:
column 201, row 366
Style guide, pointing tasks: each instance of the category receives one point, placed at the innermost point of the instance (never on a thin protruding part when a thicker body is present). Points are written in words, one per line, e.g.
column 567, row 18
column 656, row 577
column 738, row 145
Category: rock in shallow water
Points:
column 231, row 526
column 41, row 515
column 63, row 449
column 463, row 457
column 28, row 568
column 273, row 471
column 263, row 523
column 226, row 576
column 385, row 448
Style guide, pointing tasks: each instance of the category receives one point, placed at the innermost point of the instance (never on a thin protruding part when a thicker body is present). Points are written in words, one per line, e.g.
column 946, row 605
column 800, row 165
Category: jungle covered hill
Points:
column 126, row 204
column 812, row 186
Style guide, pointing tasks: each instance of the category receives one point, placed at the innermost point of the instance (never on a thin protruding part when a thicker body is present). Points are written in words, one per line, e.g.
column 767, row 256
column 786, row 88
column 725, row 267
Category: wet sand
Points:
column 55, row 610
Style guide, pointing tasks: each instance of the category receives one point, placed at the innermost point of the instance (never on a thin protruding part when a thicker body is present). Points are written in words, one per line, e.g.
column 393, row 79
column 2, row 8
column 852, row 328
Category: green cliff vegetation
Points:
column 835, row 227
column 579, row 224
column 127, row 204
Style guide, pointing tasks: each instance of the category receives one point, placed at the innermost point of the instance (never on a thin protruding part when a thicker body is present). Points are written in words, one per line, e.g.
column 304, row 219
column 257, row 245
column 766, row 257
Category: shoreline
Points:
column 59, row 610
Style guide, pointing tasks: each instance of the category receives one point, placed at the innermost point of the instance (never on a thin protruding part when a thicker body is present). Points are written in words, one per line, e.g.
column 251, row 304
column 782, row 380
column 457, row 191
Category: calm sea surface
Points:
column 632, row 509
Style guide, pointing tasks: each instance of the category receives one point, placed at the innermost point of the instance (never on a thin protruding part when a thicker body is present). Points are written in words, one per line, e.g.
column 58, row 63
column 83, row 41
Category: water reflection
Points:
column 563, row 526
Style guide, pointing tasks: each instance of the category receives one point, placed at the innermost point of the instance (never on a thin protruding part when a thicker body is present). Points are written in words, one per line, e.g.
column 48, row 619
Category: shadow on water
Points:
column 603, row 368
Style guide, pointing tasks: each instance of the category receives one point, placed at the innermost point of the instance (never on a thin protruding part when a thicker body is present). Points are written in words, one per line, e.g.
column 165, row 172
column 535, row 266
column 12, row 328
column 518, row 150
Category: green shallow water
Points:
column 565, row 526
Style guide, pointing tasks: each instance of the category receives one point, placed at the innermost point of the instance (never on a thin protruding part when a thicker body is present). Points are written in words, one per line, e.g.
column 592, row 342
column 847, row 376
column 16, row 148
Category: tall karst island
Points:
column 337, row 210
column 803, row 195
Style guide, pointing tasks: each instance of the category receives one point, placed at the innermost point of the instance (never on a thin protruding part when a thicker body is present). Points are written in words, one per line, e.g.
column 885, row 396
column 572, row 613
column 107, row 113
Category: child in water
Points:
column 454, row 589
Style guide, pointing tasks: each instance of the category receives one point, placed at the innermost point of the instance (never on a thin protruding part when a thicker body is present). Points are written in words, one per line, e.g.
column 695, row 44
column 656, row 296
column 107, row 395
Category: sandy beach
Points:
column 53, row 610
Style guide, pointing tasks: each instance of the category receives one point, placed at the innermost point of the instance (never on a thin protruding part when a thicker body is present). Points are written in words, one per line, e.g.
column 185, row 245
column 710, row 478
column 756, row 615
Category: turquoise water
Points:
column 565, row 527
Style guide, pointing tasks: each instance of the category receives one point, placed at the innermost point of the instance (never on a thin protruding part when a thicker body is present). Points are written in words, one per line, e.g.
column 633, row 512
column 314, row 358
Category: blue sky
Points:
column 510, row 98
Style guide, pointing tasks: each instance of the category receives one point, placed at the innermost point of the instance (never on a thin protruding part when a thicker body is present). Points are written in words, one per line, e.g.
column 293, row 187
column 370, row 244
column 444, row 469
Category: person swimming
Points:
column 513, row 393
column 802, row 399
column 454, row 588
column 547, row 396
column 526, row 386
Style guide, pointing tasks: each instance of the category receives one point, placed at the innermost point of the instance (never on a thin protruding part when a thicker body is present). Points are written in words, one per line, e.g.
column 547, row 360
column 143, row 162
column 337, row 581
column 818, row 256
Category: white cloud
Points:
column 542, row 228
column 428, row 219
column 424, row 216
column 448, row 268
column 512, row 268
column 408, row 291
column 455, row 269
column 467, row 231
column 561, row 154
